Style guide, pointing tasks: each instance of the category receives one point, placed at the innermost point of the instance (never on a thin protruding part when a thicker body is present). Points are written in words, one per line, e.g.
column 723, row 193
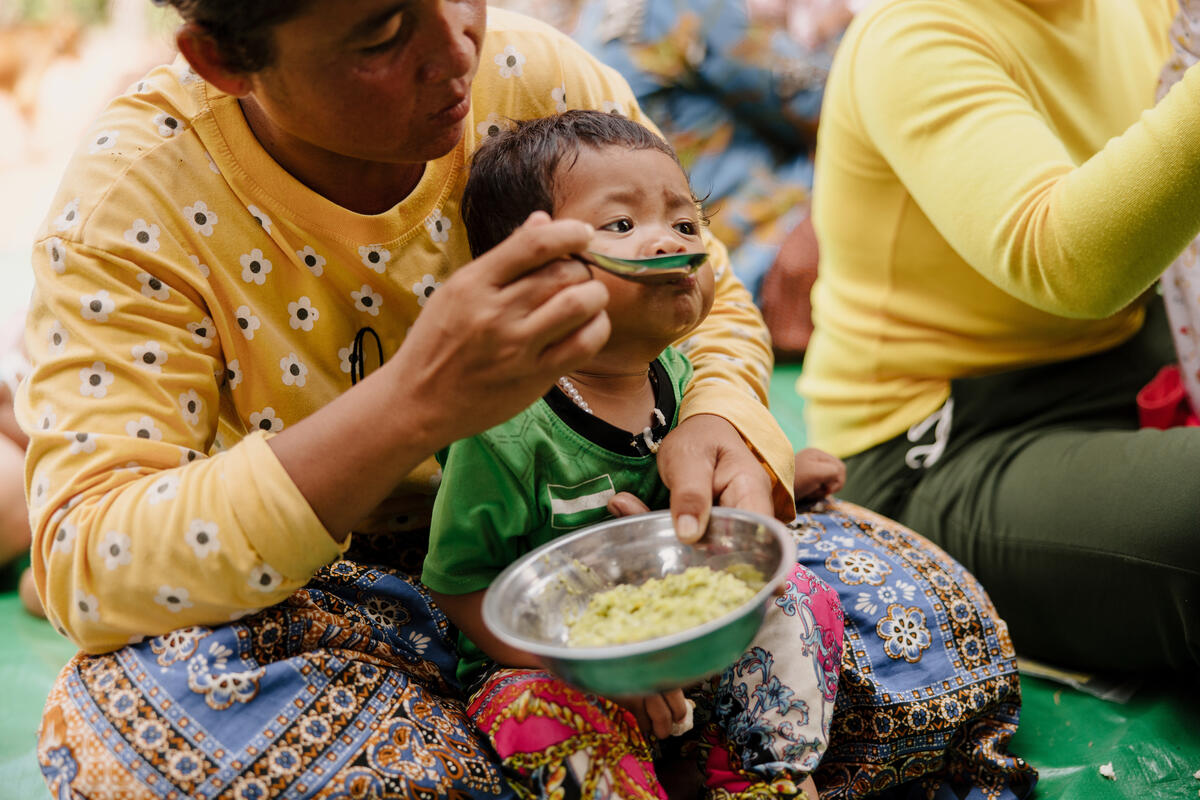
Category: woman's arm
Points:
column 945, row 108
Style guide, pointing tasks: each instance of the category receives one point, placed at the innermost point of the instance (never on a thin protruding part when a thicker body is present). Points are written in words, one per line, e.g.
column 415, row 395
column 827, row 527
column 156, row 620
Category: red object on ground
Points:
column 1163, row 403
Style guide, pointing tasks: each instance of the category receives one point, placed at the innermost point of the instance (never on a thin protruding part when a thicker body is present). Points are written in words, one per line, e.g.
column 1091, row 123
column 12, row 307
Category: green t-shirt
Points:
column 547, row 471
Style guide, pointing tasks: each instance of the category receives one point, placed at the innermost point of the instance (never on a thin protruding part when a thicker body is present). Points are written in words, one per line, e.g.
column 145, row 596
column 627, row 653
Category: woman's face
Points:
column 377, row 80
column 641, row 206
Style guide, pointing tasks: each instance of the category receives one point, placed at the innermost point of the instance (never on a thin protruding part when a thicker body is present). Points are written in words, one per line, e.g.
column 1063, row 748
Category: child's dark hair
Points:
column 513, row 173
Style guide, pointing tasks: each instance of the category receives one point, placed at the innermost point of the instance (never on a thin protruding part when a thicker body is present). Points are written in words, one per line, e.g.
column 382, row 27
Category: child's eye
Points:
column 687, row 228
column 391, row 34
column 622, row 225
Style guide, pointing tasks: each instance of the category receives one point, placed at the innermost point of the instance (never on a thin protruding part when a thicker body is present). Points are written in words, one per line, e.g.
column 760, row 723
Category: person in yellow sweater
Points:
column 997, row 193
column 256, row 319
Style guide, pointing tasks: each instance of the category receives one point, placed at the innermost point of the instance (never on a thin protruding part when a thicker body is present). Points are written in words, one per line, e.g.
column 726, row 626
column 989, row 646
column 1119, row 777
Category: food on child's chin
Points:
column 662, row 606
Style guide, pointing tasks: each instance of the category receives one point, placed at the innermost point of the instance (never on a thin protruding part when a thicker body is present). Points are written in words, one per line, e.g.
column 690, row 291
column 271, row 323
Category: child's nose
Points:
column 666, row 242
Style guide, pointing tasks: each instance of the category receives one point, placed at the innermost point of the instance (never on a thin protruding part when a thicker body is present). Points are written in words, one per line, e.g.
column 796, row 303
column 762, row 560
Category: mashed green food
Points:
column 662, row 606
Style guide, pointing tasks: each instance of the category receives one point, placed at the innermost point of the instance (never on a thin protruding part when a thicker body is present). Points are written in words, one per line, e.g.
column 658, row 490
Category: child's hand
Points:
column 662, row 714
column 818, row 474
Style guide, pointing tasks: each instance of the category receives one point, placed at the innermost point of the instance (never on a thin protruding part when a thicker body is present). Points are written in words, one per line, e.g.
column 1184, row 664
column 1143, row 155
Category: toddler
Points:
column 761, row 725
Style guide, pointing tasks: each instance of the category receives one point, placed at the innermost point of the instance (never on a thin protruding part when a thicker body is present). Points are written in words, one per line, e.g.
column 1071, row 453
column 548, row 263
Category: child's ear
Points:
column 201, row 51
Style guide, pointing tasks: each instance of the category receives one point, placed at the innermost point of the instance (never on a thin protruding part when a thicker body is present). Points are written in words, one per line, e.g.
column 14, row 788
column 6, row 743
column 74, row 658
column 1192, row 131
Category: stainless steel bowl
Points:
column 530, row 604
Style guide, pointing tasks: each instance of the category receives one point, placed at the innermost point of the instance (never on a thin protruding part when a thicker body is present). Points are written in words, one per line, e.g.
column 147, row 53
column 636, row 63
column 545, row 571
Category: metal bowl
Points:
column 530, row 604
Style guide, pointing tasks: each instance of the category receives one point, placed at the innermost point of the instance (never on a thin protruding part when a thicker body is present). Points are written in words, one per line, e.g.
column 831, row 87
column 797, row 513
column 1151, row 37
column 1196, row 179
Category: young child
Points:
column 762, row 725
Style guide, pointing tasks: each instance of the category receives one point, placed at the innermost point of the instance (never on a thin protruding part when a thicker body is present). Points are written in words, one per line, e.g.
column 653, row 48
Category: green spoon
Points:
column 677, row 264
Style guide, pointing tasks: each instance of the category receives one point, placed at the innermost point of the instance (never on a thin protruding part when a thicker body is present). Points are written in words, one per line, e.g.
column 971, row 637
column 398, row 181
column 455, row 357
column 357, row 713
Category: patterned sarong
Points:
column 347, row 690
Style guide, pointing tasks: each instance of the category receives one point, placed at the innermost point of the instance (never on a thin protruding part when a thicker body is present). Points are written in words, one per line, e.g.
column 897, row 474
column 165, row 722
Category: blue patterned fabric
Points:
column 347, row 690
column 929, row 694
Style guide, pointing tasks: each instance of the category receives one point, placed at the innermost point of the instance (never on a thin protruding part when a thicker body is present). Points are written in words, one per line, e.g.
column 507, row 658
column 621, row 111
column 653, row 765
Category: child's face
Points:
column 640, row 204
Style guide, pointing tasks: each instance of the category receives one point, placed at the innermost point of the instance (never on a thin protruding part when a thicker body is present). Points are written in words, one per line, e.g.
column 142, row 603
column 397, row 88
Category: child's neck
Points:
column 623, row 397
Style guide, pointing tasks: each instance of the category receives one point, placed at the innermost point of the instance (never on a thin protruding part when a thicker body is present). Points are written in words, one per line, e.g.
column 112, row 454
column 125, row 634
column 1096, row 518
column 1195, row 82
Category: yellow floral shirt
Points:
column 193, row 299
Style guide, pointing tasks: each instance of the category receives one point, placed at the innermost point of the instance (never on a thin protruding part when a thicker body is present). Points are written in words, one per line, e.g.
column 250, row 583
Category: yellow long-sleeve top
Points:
column 192, row 299
column 994, row 188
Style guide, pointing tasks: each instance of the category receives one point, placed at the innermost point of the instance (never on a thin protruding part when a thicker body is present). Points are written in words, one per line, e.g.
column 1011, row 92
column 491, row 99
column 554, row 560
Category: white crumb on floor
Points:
column 1108, row 772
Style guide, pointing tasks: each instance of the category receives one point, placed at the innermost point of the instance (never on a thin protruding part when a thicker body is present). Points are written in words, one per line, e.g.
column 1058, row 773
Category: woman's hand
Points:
column 490, row 341
column 663, row 714
column 498, row 332
column 704, row 460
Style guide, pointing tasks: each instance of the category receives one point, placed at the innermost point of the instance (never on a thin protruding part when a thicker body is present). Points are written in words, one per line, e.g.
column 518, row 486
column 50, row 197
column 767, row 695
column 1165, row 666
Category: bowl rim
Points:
column 787, row 563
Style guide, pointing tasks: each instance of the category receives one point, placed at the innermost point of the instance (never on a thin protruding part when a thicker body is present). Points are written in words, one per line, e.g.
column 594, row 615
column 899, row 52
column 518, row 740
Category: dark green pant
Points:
column 1084, row 529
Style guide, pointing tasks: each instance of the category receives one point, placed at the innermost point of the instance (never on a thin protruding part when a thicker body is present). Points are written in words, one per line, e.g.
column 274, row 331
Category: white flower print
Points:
column 88, row 605
column 312, row 259
column 184, row 765
column 56, row 338
column 510, row 62
column 612, row 107
column 163, row 489
column 191, row 405
column 559, row 95
column 854, row 567
column 144, row 235
column 115, row 549
column 264, row 579
column 149, row 356
column 48, row 418
column 438, row 225
column 212, row 165
column 56, row 254
column 200, row 217
column 167, row 125
column 261, row 218
column 202, row 332
column 375, row 256
column 367, row 300
column 152, row 287
column 266, row 420
column 96, row 307
column 151, row 734
column 254, row 267
column 39, row 492
column 302, row 315
column 425, row 288
column 201, row 536
column 95, row 380
column 233, row 373
column 906, row 590
column 865, row 603
column 143, row 428
column 186, row 75
column 491, row 126
column 342, row 701
column 141, row 87
column 175, row 598
column 69, row 217
column 103, row 140
column 419, row 641
column 247, row 321
column 686, row 345
column 294, row 371
column 344, row 354
column 202, row 268
column 189, row 455
column 64, row 538
column 80, row 442
column 904, row 633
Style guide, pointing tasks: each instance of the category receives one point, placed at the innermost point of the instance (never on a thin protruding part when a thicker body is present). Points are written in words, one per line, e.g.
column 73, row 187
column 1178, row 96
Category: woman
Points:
column 255, row 321
column 980, row 343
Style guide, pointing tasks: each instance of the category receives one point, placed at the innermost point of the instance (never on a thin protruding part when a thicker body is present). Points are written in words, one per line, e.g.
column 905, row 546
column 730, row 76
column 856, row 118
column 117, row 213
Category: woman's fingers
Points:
column 539, row 241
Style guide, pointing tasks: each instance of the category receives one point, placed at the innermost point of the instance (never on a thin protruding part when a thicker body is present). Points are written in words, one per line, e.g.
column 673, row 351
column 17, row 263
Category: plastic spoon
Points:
column 676, row 264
